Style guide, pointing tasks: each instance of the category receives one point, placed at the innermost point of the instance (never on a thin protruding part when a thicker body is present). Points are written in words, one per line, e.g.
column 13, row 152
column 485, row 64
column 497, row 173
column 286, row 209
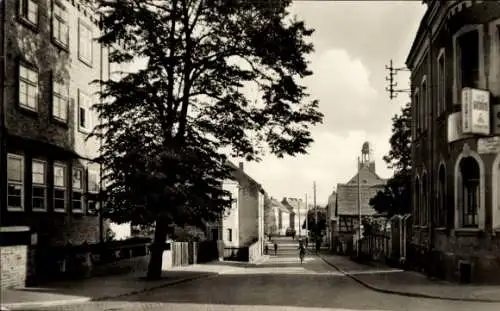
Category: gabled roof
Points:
column 367, row 177
column 238, row 173
column 277, row 204
column 347, row 199
column 347, row 194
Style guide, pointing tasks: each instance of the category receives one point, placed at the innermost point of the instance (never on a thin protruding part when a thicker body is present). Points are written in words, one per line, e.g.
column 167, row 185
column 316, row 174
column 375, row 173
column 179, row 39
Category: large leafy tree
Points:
column 395, row 198
column 315, row 227
column 166, row 126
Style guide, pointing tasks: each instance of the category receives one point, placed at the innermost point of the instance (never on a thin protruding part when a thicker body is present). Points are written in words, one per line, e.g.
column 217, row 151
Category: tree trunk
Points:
column 157, row 248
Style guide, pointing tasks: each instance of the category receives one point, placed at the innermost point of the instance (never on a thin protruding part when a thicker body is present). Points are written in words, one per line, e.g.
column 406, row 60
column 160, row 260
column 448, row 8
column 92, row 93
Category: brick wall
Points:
column 13, row 265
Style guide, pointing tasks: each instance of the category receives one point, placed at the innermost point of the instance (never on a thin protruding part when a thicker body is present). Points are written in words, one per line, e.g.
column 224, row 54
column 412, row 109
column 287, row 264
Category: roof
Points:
column 347, row 199
column 367, row 176
column 293, row 204
column 418, row 36
column 240, row 173
column 277, row 204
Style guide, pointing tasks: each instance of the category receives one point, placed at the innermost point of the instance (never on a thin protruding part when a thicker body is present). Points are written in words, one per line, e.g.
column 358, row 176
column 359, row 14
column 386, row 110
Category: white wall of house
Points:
column 248, row 213
column 230, row 220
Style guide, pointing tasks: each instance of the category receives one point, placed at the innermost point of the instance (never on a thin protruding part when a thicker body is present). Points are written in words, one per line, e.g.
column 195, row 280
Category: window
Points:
column 424, row 104
column 416, row 209
column 417, row 110
column 28, row 11
column 84, row 105
column 59, row 187
column 39, row 180
column 441, row 83
column 60, row 100
column 60, row 24
column 93, row 182
column 28, row 88
column 93, row 189
column 15, row 182
column 468, row 192
column 77, row 190
column 468, row 59
column 425, row 201
column 230, row 235
column 85, row 43
column 441, row 211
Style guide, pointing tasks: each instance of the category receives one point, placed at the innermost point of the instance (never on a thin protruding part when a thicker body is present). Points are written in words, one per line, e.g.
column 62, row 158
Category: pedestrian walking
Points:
column 266, row 249
column 275, row 248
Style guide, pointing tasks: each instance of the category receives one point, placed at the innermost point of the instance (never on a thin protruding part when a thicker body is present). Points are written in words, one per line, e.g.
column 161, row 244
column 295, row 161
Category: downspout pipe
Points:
column 431, row 183
column 3, row 128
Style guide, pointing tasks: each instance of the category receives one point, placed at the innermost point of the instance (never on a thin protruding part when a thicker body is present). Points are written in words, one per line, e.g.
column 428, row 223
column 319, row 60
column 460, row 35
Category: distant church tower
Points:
column 367, row 156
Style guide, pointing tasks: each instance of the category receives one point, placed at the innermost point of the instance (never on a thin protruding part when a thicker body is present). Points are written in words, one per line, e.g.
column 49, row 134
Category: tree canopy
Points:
column 314, row 228
column 166, row 129
column 395, row 198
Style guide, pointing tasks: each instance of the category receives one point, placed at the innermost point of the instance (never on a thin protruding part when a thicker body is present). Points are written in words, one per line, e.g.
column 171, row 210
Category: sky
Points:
column 354, row 40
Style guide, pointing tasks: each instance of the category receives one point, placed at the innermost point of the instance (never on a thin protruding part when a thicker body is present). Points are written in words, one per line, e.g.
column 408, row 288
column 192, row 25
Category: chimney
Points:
column 241, row 166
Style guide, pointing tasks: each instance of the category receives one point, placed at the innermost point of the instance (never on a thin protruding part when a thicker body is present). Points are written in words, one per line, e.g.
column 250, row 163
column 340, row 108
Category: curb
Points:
column 43, row 304
column 403, row 293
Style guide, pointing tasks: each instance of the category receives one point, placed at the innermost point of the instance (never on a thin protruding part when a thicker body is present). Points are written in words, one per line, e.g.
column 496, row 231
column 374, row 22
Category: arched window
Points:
column 468, row 192
column 416, row 207
column 425, row 200
column 441, row 185
column 496, row 193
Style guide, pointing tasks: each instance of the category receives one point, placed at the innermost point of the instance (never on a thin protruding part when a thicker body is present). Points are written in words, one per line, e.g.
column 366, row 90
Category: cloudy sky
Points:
column 354, row 40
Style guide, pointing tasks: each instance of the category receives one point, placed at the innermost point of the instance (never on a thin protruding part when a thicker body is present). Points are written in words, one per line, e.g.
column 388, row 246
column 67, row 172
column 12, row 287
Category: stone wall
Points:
column 13, row 265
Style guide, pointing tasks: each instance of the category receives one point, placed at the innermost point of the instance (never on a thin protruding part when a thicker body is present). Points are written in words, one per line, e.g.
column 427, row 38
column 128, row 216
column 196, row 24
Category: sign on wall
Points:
column 455, row 131
column 475, row 111
column 488, row 145
column 495, row 110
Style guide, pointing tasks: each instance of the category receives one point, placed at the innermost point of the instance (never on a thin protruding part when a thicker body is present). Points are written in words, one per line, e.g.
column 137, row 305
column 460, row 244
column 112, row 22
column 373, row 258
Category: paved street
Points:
column 280, row 283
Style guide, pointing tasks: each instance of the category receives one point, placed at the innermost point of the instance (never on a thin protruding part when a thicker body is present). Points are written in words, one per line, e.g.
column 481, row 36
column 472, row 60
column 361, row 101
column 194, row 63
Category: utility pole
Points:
column 315, row 208
column 393, row 93
column 300, row 225
column 307, row 217
column 359, row 208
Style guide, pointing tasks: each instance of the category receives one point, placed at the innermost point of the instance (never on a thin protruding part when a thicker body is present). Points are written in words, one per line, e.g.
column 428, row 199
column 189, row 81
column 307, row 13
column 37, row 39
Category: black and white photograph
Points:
column 281, row 155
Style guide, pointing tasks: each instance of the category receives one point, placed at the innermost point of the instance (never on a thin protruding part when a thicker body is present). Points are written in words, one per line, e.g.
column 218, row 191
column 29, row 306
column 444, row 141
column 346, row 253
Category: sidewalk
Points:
column 408, row 283
column 98, row 288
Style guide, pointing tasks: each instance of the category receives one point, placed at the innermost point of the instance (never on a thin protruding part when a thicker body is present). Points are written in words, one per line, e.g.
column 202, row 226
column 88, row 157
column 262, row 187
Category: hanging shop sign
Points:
column 475, row 111
column 488, row 145
column 455, row 131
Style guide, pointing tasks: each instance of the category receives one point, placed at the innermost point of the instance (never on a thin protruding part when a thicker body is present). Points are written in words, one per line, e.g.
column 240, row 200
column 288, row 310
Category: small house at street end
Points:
column 278, row 217
column 243, row 223
column 297, row 215
column 346, row 211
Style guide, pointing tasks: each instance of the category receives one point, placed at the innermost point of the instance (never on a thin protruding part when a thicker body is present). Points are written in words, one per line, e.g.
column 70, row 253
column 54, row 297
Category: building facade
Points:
column 49, row 179
column 353, row 199
column 243, row 223
column 455, row 83
column 298, row 215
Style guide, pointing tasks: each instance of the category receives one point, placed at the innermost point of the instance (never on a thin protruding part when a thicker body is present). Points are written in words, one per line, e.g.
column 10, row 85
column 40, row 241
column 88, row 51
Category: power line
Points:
column 393, row 92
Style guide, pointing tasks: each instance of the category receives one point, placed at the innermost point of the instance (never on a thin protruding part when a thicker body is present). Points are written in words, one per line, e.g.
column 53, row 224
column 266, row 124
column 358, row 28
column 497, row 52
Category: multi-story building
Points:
column 243, row 223
column 455, row 83
column 48, row 176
